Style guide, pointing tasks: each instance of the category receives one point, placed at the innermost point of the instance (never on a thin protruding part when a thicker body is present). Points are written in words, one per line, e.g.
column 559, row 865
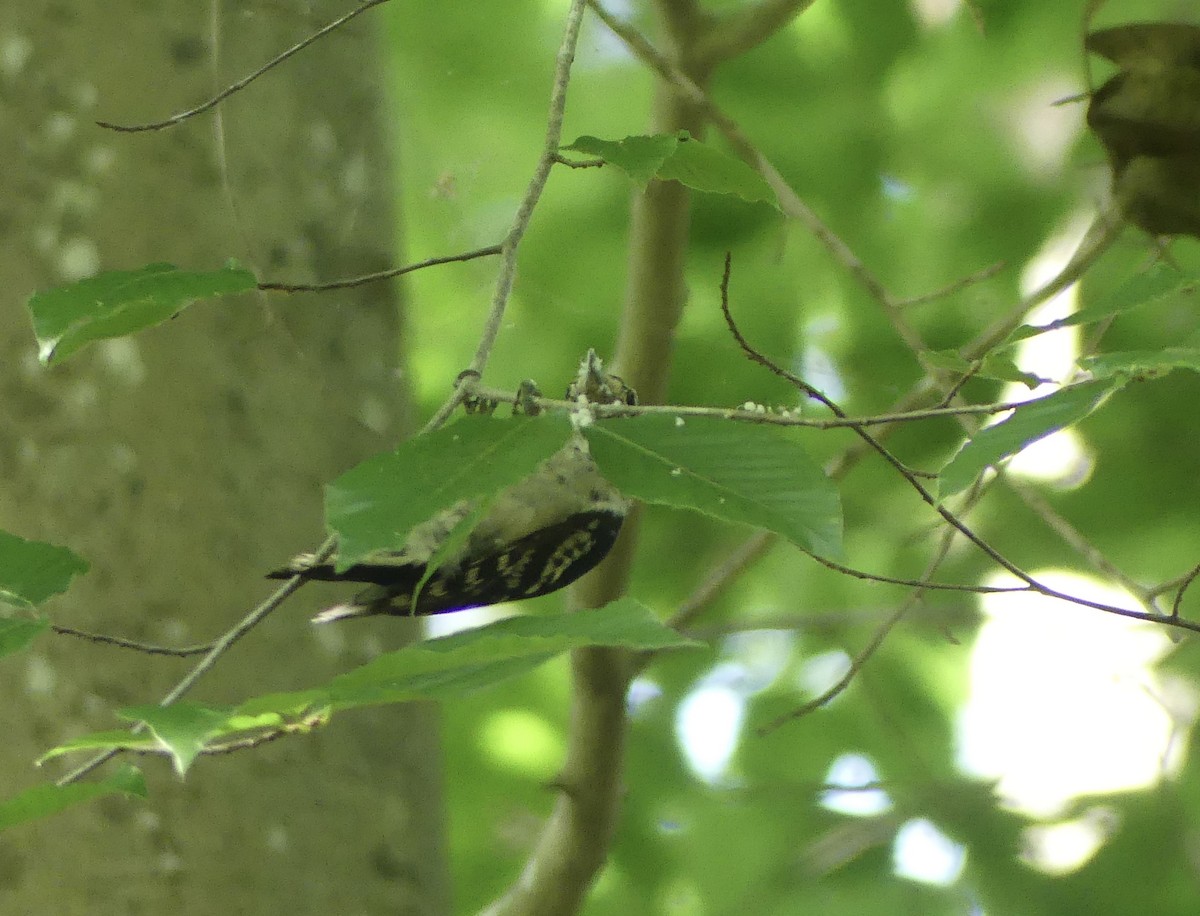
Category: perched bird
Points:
column 538, row 536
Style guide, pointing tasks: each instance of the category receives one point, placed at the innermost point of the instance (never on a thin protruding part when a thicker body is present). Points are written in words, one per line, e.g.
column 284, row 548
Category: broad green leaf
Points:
column 182, row 728
column 15, row 635
column 1027, row 423
column 30, row 571
column 374, row 506
column 1154, row 285
column 1142, row 364
column 638, row 157
column 706, row 168
column 120, row 302
column 754, row 475
column 470, row 660
column 42, row 801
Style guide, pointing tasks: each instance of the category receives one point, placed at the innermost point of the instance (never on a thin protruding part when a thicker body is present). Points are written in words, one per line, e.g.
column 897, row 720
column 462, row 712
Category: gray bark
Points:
column 185, row 462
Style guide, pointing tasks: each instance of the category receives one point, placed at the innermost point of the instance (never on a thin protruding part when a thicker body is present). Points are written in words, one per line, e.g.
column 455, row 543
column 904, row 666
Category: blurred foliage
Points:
column 934, row 148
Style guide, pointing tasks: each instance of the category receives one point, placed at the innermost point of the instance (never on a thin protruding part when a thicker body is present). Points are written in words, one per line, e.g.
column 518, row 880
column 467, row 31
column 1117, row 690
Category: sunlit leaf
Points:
column 1031, row 421
column 182, row 728
column 1161, row 282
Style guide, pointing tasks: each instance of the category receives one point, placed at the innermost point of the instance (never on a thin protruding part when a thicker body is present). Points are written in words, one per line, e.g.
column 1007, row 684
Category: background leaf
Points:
column 42, row 801
column 15, row 635
column 1160, row 283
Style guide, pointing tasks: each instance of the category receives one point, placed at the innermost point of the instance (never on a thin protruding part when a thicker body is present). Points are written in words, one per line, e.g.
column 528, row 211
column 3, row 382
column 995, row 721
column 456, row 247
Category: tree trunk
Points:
column 186, row 461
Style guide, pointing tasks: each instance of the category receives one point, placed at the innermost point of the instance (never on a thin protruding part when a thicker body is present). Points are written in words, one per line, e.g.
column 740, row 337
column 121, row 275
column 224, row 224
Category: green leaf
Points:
column 706, row 168
column 1001, row 367
column 15, row 634
column 994, row 366
column 30, row 571
column 470, row 660
column 1158, row 283
column 1142, row 364
column 638, row 157
column 1027, row 423
column 182, row 728
column 677, row 157
column 754, row 475
column 120, row 302
column 42, row 801
column 112, row 739
column 374, row 506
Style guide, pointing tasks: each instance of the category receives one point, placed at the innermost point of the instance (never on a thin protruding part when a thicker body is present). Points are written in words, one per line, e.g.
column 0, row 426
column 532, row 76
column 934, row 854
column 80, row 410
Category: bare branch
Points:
column 379, row 275
column 469, row 378
column 146, row 647
column 244, row 81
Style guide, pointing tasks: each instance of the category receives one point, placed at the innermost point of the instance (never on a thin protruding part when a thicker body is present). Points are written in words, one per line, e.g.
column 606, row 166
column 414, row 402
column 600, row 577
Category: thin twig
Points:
column 784, row 417
column 378, row 275
column 856, row 665
column 244, row 81
column 146, row 647
column 877, row 639
column 469, row 378
column 574, row 841
column 719, row 580
column 988, row 550
column 226, row 747
column 560, row 159
column 1105, row 229
column 554, row 121
column 1074, row 538
column 1183, row 587
column 956, row 287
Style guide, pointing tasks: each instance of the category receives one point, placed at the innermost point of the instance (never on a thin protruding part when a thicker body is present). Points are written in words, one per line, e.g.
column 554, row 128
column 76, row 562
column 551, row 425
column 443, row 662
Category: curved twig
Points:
column 244, row 81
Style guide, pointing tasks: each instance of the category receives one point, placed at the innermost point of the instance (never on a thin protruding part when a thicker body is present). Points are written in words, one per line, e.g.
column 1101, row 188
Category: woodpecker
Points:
column 539, row 535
